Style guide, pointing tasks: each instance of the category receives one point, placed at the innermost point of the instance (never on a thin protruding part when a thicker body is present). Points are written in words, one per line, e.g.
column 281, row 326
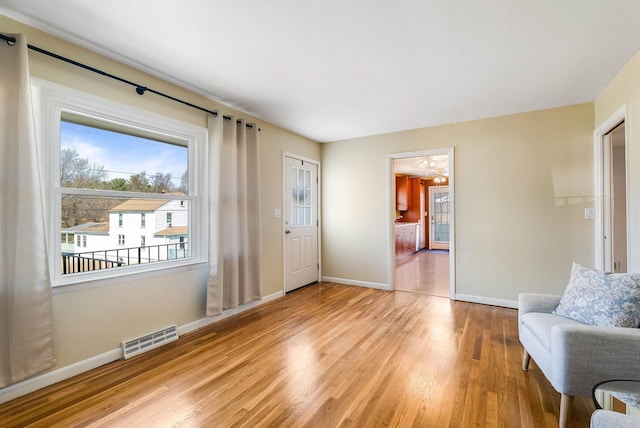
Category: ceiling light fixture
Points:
column 427, row 163
column 434, row 170
column 439, row 179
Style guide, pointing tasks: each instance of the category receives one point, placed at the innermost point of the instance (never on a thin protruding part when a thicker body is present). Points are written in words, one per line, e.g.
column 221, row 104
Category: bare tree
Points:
column 82, row 209
column 161, row 183
column 68, row 160
column 76, row 171
column 184, row 182
column 139, row 182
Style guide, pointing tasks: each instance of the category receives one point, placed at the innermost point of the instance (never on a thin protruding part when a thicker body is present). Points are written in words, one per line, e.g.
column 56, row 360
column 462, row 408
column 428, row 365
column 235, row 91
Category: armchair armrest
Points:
column 535, row 302
column 584, row 355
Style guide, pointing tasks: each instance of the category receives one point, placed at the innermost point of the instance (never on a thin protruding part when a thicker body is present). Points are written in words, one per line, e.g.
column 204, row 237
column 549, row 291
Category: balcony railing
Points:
column 119, row 257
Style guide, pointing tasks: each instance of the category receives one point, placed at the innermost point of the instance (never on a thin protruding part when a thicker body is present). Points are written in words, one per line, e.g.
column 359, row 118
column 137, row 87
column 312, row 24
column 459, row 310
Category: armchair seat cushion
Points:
column 541, row 324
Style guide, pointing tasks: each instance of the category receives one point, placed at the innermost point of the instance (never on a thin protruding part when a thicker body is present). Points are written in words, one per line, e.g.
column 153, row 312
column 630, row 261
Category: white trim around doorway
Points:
column 283, row 216
column 449, row 151
column 598, row 176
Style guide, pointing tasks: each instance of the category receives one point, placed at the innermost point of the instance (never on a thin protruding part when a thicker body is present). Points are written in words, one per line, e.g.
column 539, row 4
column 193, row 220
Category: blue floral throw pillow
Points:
column 596, row 298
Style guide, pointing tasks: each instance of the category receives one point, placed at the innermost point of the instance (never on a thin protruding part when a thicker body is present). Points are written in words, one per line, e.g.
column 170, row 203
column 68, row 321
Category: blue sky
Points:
column 124, row 155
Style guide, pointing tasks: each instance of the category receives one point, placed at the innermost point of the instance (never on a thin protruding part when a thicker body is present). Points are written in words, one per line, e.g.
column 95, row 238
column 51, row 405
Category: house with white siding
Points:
column 138, row 231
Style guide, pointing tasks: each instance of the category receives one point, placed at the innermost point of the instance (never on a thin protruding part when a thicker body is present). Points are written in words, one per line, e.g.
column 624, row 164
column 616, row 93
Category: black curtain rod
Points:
column 140, row 90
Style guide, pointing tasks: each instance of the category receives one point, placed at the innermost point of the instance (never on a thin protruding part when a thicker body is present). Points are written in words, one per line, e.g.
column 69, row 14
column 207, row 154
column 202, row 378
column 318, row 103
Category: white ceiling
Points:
column 423, row 166
column 337, row 69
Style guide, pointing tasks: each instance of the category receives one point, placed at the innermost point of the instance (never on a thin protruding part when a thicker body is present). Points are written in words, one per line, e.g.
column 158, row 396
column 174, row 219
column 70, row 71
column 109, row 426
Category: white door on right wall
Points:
column 439, row 212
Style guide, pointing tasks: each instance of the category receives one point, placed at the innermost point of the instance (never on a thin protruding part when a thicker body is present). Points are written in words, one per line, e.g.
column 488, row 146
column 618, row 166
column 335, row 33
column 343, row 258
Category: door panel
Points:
column 301, row 223
column 439, row 209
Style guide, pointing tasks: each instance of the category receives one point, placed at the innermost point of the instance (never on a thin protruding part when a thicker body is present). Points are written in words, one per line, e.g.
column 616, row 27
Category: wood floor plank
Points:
column 327, row 355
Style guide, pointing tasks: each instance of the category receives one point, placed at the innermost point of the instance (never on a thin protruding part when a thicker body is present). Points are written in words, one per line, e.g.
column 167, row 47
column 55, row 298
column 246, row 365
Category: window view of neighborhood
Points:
column 106, row 220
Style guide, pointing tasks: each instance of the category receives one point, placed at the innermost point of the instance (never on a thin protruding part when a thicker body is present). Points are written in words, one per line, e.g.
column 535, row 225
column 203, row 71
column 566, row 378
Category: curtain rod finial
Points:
column 141, row 90
column 11, row 41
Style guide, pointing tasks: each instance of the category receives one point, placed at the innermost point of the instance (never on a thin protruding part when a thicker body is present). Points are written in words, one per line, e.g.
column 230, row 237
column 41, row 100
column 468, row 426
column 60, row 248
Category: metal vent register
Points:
column 149, row 341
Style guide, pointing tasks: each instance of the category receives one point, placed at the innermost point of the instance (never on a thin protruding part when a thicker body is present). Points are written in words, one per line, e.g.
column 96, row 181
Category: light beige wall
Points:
column 94, row 320
column 625, row 89
column 521, row 185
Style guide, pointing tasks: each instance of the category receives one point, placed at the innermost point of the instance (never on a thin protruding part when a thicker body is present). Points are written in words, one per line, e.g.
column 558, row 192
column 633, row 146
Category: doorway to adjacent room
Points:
column 611, row 190
column 422, row 222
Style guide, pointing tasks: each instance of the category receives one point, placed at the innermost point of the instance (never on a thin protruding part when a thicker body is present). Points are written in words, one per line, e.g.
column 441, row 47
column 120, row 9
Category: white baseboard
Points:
column 33, row 384
column 462, row 297
column 487, row 301
column 38, row 382
column 344, row 281
column 203, row 322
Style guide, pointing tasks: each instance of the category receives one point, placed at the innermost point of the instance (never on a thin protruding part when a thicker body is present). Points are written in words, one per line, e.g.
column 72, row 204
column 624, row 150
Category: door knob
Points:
column 287, row 232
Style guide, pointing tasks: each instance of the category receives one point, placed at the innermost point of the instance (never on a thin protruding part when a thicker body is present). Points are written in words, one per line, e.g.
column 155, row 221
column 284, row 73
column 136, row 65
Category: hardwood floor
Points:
column 327, row 355
column 425, row 272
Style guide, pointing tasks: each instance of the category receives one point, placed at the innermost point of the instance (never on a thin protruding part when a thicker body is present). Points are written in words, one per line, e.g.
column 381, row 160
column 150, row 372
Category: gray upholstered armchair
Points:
column 574, row 356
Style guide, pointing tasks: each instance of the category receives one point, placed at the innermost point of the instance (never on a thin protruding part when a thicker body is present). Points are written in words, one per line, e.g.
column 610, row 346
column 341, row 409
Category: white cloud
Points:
column 123, row 156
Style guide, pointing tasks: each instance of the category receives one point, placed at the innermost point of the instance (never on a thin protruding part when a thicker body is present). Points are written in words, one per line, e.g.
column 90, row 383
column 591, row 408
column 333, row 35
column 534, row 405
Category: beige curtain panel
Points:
column 26, row 325
column 234, row 215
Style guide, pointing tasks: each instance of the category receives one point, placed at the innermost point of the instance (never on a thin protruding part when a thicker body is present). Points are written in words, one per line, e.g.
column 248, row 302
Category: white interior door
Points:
column 300, row 223
column 439, row 211
column 614, row 192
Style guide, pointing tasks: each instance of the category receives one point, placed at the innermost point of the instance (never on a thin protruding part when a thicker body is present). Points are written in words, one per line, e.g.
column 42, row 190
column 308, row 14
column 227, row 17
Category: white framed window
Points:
column 301, row 197
column 84, row 241
column 170, row 219
column 78, row 241
column 97, row 153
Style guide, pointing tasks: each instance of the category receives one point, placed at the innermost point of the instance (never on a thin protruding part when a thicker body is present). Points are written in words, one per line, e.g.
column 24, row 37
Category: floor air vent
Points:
column 149, row 341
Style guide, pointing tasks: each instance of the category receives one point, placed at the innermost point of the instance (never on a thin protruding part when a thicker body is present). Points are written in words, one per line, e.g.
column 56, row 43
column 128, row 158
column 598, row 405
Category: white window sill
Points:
column 80, row 282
